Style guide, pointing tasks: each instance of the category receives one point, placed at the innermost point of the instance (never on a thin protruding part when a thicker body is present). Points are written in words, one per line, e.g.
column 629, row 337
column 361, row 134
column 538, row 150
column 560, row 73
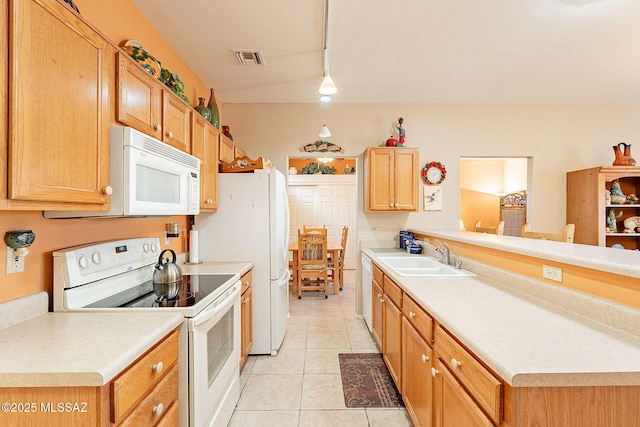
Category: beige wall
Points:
column 558, row 138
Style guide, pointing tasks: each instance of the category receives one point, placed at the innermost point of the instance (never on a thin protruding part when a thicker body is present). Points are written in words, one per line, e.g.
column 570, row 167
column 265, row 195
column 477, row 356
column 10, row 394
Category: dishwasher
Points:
column 367, row 277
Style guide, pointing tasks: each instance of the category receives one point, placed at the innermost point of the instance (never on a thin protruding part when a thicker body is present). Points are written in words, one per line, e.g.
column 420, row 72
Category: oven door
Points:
column 214, row 360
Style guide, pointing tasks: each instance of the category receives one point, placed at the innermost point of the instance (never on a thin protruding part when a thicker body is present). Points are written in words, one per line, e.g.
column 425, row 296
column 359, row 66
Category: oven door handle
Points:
column 218, row 306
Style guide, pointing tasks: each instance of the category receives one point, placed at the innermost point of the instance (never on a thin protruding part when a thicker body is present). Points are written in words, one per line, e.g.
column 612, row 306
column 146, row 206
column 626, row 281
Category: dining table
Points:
column 333, row 251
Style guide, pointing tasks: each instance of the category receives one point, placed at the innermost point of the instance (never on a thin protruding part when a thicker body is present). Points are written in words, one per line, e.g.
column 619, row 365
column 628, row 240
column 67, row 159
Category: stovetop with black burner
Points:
column 193, row 290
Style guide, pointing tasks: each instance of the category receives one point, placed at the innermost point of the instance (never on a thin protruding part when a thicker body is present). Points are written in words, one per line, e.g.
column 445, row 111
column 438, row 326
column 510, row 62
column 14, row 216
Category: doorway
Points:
column 322, row 192
column 494, row 189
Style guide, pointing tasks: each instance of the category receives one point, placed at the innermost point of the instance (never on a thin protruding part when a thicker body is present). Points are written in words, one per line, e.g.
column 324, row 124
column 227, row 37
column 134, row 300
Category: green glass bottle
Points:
column 213, row 107
column 202, row 109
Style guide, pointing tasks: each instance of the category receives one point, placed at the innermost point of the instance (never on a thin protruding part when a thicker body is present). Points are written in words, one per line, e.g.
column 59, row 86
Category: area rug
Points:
column 366, row 382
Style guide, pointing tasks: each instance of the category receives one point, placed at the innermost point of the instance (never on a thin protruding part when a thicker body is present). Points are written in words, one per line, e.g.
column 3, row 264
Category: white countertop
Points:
column 618, row 261
column 222, row 267
column 526, row 341
column 78, row 349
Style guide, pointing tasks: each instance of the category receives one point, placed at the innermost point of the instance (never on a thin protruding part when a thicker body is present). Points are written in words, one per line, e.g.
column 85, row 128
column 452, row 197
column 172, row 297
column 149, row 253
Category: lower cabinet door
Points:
column 453, row 406
column 417, row 383
column 392, row 340
column 377, row 311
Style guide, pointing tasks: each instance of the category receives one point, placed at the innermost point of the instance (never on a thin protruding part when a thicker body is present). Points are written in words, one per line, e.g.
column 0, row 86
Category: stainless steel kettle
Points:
column 167, row 277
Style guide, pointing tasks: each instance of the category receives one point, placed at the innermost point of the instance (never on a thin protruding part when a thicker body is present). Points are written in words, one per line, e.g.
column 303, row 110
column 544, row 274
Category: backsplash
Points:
column 54, row 234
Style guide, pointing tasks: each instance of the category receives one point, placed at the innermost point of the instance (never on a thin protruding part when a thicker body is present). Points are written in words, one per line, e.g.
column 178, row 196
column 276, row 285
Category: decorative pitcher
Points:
column 623, row 155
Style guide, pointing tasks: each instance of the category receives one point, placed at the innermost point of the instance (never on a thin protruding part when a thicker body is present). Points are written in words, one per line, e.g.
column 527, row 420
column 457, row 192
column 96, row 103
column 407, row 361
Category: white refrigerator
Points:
column 252, row 224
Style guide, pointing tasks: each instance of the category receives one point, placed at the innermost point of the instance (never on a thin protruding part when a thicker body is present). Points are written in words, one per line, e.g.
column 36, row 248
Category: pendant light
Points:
column 327, row 87
column 324, row 130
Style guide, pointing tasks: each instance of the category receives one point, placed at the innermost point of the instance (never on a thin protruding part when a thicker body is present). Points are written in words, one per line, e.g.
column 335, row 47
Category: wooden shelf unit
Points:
column 586, row 206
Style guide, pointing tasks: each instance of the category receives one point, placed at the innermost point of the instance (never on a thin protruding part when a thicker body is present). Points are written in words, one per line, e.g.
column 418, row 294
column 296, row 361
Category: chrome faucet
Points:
column 443, row 250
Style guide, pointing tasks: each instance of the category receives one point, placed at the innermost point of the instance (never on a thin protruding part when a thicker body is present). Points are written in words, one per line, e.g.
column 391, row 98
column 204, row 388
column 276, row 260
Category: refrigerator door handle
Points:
column 284, row 279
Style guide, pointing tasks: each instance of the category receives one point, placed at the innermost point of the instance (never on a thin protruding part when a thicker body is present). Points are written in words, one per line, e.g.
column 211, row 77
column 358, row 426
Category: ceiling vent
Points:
column 249, row 57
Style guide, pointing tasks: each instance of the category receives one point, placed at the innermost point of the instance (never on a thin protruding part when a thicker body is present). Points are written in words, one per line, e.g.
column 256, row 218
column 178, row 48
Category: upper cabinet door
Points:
column 391, row 177
column 139, row 98
column 176, row 115
column 406, row 179
column 58, row 136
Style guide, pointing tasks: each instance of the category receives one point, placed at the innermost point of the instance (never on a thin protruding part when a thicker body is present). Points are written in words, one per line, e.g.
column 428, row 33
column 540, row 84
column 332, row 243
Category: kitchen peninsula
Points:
column 509, row 348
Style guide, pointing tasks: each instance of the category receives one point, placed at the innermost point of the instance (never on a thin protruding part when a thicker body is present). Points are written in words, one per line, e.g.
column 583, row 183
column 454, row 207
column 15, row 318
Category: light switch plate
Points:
column 552, row 273
column 14, row 264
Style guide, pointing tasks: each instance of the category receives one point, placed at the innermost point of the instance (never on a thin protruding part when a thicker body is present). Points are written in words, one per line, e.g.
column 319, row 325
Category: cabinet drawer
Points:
column 418, row 318
column 393, row 291
column 482, row 384
column 246, row 279
column 158, row 403
column 136, row 381
column 377, row 274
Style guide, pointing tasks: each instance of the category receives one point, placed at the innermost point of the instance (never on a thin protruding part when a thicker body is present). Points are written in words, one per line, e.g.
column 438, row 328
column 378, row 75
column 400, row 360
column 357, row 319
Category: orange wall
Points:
column 475, row 206
column 117, row 20
column 54, row 234
column 120, row 20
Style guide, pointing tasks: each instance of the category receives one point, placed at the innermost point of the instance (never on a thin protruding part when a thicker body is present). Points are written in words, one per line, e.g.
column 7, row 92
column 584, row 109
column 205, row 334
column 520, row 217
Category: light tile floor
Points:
column 301, row 385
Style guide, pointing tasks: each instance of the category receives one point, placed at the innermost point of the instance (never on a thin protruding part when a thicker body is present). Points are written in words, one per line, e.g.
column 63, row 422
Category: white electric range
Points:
column 117, row 275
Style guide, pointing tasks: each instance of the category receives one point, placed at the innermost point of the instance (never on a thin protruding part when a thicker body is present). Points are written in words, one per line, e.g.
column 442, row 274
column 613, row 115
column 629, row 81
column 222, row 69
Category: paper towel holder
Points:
column 190, row 262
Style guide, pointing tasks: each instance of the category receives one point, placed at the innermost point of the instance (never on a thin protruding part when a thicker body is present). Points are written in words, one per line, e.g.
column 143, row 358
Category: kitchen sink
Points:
column 422, row 266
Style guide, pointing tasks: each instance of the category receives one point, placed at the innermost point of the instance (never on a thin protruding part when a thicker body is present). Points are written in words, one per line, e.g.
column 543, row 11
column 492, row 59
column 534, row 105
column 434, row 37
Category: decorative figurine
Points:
column 632, row 199
column 623, row 158
column 617, row 196
column 611, row 220
column 401, row 133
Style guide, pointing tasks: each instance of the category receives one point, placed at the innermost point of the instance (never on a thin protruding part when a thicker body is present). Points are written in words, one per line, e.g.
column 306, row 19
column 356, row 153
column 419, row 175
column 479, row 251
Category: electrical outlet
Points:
column 14, row 264
column 552, row 273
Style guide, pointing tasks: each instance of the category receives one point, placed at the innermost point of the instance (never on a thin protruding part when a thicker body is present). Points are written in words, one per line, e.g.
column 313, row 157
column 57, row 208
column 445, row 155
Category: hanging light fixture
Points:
column 327, row 87
column 324, row 130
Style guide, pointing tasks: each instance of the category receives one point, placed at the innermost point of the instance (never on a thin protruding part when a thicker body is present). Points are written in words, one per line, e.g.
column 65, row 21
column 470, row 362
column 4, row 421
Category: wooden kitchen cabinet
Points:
column 377, row 305
column 417, row 360
column 145, row 393
column 56, row 124
column 586, row 207
column 391, row 179
column 246, row 316
column 204, row 145
column 392, row 330
column 417, row 384
column 227, row 150
column 453, row 407
column 482, row 385
column 145, row 104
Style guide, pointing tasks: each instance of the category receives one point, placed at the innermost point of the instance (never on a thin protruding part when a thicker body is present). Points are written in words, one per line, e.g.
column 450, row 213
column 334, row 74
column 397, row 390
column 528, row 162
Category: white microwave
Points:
column 148, row 178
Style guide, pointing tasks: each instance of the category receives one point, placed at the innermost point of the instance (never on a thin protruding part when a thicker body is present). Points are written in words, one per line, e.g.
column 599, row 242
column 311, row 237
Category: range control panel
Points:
column 84, row 264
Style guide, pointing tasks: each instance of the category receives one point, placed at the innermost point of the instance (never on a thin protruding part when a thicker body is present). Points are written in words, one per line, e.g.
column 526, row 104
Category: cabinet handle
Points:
column 455, row 363
column 382, row 300
column 425, row 358
column 390, row 205
column 411, row 315
column 157, row 410
column 169, row 134
column 434, row 372
column 157, row 368
column 107, row 190
column 379, row 295
column 157, row 128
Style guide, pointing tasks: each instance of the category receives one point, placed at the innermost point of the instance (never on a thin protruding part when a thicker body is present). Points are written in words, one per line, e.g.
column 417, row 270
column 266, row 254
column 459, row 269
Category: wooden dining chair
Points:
column 336, row 267
column 566, row 235
column 310, row 228
column 312, row 272
column 498, row 229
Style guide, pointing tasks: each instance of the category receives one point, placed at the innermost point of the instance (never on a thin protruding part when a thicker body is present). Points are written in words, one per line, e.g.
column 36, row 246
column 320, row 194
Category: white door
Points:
column 318, row 201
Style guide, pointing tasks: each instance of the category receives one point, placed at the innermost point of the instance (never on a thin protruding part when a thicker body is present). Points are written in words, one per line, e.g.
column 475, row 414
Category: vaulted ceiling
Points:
column 411, row 51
